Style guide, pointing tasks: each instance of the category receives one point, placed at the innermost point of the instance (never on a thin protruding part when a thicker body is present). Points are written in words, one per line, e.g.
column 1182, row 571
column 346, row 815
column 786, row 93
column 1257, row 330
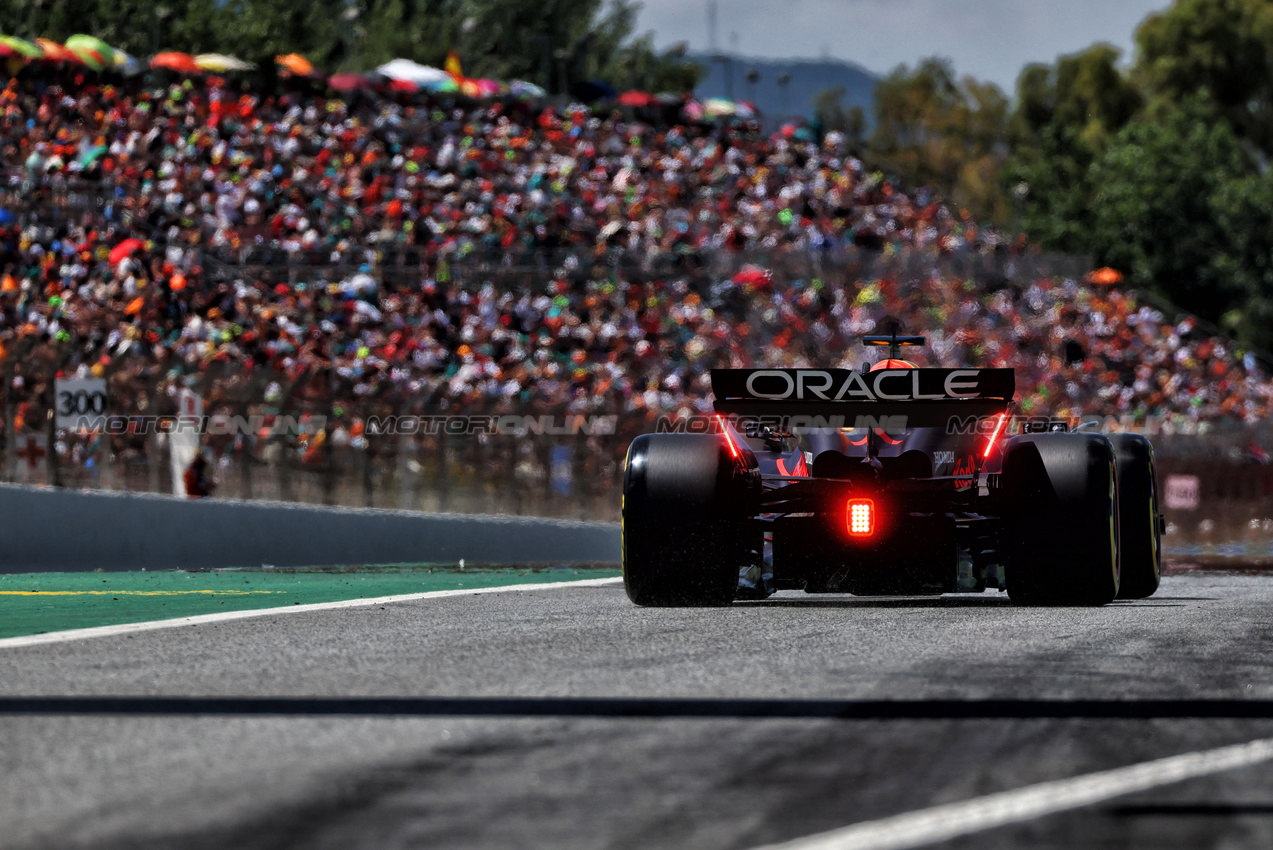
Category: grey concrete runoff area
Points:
column 568, row 718
column 69, row 530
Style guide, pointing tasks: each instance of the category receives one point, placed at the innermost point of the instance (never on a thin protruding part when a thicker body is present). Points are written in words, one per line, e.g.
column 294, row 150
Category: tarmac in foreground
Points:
column 548, row 718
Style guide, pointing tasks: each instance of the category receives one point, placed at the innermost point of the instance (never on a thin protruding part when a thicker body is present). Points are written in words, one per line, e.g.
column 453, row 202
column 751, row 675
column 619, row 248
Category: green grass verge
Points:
column 35, row 603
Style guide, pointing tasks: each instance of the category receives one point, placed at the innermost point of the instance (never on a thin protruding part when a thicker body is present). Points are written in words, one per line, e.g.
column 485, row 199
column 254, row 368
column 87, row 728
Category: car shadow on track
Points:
column 952, row 602
column 876, row 602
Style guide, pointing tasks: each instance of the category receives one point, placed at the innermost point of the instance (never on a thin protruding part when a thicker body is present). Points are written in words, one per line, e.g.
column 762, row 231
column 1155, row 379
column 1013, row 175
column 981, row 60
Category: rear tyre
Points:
column 688, row 526
column 1140, row 546
column 1060, row 519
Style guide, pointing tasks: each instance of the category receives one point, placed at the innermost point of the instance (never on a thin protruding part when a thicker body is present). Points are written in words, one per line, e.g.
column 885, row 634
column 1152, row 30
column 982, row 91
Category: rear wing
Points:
column 924, row 397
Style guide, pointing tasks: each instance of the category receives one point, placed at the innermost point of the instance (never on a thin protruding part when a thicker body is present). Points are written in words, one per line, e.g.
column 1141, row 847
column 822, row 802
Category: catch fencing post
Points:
column 55, row 468
column 152, row 461
column 10, row 416
column 441, row 473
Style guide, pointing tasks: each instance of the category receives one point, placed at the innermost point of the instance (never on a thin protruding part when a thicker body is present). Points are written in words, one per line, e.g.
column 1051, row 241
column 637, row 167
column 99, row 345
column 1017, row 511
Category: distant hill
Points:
column 808, row 78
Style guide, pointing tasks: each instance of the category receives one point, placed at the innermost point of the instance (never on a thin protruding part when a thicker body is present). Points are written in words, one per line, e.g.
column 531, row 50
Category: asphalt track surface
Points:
column 567, row 718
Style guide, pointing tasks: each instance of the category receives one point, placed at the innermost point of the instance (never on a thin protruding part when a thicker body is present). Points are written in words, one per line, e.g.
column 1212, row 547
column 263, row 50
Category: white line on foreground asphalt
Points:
column 128, row 628
column 941, row 823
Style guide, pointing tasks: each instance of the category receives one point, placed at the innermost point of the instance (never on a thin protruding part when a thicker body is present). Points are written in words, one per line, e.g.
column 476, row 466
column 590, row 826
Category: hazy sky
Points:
column 989, row 39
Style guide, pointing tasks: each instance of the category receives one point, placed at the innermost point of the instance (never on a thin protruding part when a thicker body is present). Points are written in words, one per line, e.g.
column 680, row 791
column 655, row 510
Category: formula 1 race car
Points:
column 895, row 480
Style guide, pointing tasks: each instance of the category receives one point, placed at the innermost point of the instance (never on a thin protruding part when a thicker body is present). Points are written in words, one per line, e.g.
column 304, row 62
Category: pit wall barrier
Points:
column 47, row 530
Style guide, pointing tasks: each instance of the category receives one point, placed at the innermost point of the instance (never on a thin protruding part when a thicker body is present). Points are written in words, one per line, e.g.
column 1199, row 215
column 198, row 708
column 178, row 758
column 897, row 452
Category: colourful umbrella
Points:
column 590, row 90
column 54, row 52
column 91, row 155
column 219, row 63
column 172, row 60
column 126, row 64
column 444, row 86
column 636, row 98
column 123, row 249
column 480, row 88
column 521, row 88
column 424, row 76
column 295, row 63
column 753, row 277
column 1106, row 276
column 347, row 81
column 91, row 59
column 21, row 47
column 92, row 51
column 718, row 107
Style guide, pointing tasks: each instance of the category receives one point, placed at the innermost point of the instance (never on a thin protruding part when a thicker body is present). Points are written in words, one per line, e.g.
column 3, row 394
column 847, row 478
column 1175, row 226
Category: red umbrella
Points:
column 404, row 86
column 123, row 249
column 637, row 98
column 55, row 52
column 174, row 61
column 753, row 276
column 1106, row 276
column 348, row 82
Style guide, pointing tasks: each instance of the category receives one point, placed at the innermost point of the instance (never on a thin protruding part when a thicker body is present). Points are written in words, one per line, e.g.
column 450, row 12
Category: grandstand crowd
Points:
column 301, row 201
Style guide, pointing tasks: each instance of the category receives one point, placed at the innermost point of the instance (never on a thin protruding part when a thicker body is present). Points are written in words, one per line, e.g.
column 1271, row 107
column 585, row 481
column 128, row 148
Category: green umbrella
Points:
column 94, row 52
column 91, row 155
column 18, row 45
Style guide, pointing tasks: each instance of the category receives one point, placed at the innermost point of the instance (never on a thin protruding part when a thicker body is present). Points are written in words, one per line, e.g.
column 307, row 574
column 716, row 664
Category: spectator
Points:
column 198, row 484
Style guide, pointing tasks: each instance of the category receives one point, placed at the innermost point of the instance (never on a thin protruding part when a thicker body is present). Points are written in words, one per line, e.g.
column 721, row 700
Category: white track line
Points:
column 942, row 823
column 129, row 628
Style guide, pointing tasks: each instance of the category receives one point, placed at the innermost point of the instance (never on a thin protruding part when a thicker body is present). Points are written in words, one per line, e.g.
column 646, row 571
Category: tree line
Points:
column 1158, row 167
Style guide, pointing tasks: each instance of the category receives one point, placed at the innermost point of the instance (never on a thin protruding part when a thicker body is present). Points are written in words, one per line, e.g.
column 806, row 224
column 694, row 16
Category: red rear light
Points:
column 1003, row 417
column 729, row 438
column 860, row 514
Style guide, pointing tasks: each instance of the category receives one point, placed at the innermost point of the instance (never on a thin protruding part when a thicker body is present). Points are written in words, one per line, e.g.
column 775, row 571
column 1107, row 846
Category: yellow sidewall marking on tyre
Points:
column 1113, row 523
